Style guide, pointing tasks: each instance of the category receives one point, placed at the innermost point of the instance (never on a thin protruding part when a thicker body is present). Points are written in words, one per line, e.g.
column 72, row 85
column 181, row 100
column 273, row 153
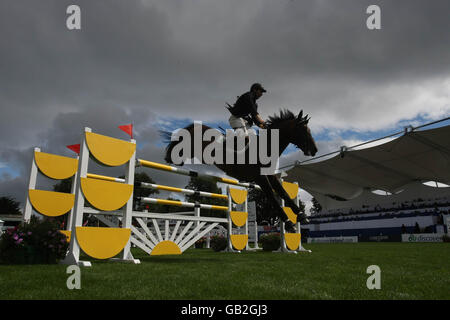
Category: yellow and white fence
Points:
column 107, row 195
column 154, row 233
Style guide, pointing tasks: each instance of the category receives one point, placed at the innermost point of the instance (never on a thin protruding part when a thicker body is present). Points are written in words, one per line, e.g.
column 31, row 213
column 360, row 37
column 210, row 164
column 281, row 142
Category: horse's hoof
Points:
column 303, row 219
column 290, row 227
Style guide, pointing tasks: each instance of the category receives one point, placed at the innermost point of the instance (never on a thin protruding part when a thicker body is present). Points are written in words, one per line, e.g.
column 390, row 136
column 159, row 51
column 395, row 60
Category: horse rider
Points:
column 245, row 111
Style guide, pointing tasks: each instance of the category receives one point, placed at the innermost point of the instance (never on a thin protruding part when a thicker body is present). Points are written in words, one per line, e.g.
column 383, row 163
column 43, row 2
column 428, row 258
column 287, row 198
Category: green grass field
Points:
column 331, row 271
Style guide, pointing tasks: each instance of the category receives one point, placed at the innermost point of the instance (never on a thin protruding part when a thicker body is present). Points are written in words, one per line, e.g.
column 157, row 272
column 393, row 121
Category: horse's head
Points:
column 301, row 135
column 295, row 130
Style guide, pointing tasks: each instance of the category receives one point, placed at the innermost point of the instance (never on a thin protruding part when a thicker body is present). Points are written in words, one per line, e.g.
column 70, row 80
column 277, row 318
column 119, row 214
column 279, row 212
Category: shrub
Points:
column 218, row 243
column 200, row 243
column 36, row 242
column 270, row 241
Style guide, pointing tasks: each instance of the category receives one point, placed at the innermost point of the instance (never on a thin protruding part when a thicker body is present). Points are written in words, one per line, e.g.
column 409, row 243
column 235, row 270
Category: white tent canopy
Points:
column 416, row 156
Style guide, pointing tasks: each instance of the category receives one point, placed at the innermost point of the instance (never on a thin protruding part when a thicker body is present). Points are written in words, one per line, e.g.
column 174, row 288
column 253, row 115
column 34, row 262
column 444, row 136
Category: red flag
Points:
column 75, row 148
column 128, row 129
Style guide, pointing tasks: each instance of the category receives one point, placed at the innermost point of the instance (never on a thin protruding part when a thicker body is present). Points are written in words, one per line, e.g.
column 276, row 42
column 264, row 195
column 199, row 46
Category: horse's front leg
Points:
column 266, row 187
column 278, row 187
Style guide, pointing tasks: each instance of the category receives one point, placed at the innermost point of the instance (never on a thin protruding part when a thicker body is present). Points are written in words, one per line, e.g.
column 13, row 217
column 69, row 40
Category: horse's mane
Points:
column 275, row 120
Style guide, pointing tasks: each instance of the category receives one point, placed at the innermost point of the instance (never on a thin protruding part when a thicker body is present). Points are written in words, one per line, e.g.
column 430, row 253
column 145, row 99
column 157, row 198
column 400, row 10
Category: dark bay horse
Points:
column 292, row 129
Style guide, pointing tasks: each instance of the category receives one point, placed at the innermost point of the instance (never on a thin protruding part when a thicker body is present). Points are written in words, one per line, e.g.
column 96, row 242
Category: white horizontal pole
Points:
column 177, row 217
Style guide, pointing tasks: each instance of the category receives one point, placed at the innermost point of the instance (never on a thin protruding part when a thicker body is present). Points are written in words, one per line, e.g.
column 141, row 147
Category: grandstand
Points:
column 381, row 192
column 419, row 209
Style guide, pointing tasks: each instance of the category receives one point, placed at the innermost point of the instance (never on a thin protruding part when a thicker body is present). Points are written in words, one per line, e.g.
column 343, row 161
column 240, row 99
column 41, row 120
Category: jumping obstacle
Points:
column 100, row 243
column 291, row 242
column 108, row 194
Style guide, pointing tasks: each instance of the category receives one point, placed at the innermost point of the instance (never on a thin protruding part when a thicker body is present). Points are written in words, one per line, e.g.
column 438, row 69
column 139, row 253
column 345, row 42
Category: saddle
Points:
column 246, row 118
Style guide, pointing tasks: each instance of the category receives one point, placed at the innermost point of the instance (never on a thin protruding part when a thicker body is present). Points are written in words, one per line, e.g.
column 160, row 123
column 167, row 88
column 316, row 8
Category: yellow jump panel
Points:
column 67, row 233
column 290, row 214
column 109, row 151
column 239, row 218
column 50, row 203
column 106, row 195
column 54, row 166
column 292, row 240
column 165, row 247
column 238, row 195
column 239, row 241
column 291, row 189
column 102, row 243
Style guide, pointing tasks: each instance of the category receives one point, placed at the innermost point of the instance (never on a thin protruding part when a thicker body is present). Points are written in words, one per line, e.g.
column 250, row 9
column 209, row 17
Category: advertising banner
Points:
column 333, row 240
column 381, row 238
column 422, row 237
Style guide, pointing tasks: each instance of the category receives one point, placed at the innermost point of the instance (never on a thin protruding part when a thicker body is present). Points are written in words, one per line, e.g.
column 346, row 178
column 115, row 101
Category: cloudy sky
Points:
column 161, row 64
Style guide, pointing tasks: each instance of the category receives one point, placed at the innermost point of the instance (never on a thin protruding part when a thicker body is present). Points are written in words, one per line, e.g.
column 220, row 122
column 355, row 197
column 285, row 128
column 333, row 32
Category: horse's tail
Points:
column 167, row 138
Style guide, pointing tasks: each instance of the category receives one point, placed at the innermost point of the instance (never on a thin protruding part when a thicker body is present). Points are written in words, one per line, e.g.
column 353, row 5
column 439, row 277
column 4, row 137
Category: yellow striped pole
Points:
column 106, row 178
column 160, row 187
column 191, row 173
column 183, row 204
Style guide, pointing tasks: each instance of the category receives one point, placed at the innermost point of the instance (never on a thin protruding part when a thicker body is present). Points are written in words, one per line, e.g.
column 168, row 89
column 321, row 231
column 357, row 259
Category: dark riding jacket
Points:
column 246, row 107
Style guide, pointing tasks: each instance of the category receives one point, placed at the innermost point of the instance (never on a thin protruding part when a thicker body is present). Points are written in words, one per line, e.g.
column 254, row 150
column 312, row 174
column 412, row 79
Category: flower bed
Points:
column 37, row 242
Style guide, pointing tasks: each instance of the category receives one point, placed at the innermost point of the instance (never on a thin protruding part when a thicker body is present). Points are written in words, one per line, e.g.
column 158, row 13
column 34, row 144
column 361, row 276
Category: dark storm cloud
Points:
column 135, row 61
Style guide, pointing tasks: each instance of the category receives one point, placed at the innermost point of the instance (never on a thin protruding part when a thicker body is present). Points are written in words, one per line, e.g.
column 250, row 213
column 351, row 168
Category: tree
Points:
column 264, row 207
column 302, row 206
column 142, row 191
column 63, row 186
column 164, row 208
column 316, row 205
column 198, row 184
column 9, row 206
